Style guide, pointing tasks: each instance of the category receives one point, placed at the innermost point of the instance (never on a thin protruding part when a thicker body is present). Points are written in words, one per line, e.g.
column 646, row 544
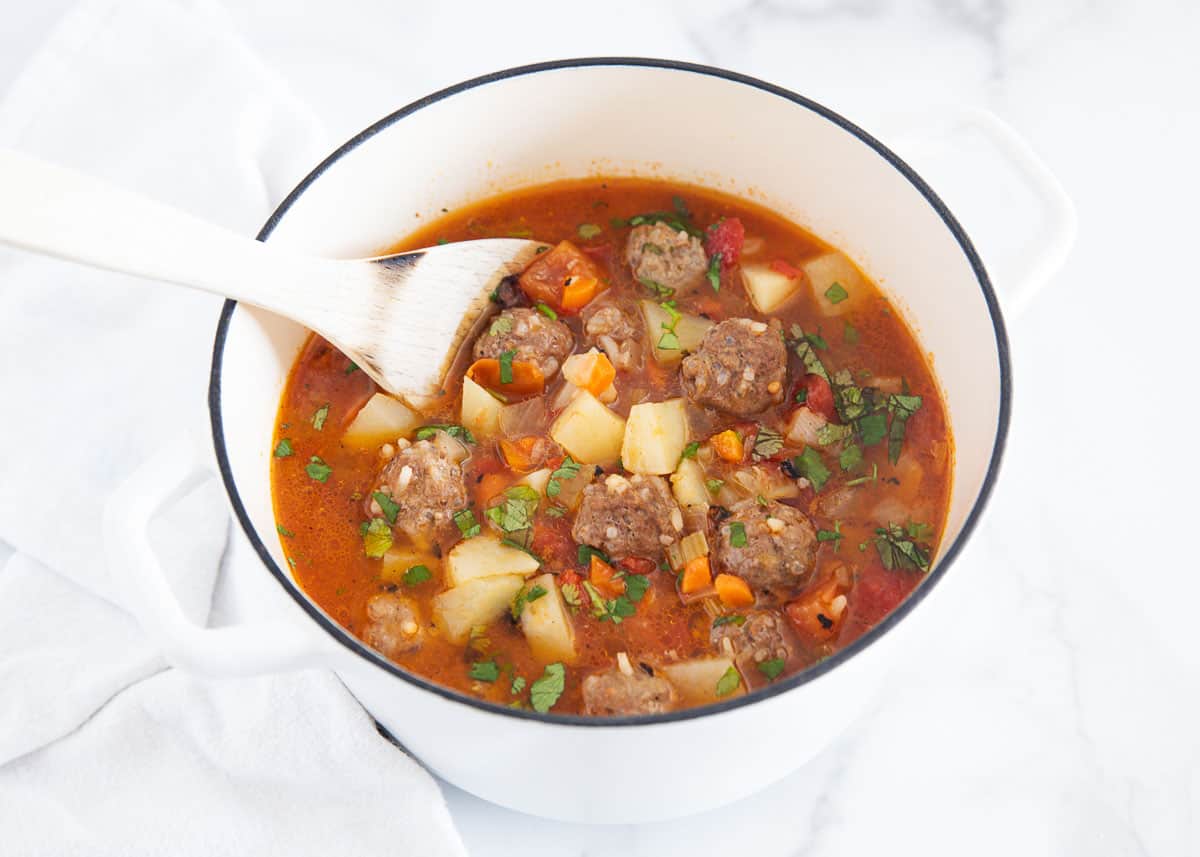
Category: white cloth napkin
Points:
column 103, row 749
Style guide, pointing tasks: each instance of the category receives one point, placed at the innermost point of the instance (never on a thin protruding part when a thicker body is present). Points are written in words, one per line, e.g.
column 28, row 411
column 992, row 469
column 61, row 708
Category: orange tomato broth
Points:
column 320, row 521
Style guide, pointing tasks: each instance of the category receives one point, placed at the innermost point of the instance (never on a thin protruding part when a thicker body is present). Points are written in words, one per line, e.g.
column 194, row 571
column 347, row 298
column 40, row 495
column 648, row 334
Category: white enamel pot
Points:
column 531, row 125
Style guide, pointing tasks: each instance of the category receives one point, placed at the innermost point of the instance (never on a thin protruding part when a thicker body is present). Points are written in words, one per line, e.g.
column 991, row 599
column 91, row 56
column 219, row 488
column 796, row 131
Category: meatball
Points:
column 394, row 624
column 608, row 326
column 763, row 636
column 425, row 480
column 740, row 367
column 534, row 337
column 666, row 256
column 780, row 549
column 635, row 516
column 617, row 693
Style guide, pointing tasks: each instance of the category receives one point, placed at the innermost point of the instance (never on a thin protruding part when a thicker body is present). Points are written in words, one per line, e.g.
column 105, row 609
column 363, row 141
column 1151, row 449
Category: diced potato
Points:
column 400, row 558
column 536, row 480
column 689, row 484
column 476, row 602
column 825, row 270
column 696, row 680
column 485, row 556
column 547, row 627
column 590, row 432
column 381, row 420
column 655, row 436
column 480, row 410
column 767, row 288
column 689, row 330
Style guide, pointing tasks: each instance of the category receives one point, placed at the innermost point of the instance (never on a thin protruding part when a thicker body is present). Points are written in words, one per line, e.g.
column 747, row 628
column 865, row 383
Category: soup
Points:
column 696, row 451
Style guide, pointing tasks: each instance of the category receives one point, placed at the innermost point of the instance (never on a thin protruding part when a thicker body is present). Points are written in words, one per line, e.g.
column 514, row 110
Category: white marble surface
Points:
column 1050, row 705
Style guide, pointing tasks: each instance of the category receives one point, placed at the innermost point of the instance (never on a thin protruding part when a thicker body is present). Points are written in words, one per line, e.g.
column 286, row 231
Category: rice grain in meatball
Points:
column 534, row 337
column 740, row 367
column 779, row 551
column 634, row 516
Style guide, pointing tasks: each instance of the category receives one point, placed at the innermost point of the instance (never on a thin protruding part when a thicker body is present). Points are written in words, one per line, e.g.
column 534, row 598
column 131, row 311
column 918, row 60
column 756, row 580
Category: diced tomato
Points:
column 574, row 578
column 604, row 577
column 819, row 396
column 638, row 565
column 546, row 277
column 781, row 266
column 552, row 542
column 726, row 237
column 818, row 614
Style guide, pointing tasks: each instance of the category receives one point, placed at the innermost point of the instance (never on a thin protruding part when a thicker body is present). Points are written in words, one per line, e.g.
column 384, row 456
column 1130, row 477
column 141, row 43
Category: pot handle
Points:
column 237, row 650
column 1049, row 251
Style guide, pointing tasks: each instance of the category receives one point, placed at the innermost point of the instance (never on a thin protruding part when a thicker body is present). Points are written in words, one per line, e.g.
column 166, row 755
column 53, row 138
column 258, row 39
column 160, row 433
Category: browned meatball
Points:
column 740, row 367
column 635, row 516
column 395, row 624
column 615, row 693
column 425, row 480
column 780, row 549
column 763, row 636
column 665, row 256
column 611, row 327
column 534, row 337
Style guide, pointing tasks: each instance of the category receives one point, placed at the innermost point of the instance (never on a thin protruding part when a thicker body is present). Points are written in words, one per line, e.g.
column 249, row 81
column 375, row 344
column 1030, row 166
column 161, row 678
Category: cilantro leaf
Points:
column 872, row 428
column 588, row 230
column 767, row 442
column 834, row 535
column 849, row 334
column 690, row 450
column 569, row 469
column 546, row 690
column 585, row 552
column 803, row 347
column 284, row 448
column 377, row 540
column 485, row 671
column 836, row 293
column 515, row 513
column 901, row 407
column 517, row 685
column 729, row 682
column 468, row 527
column 546, row 311
column 460, row 432
column 501, row 326
column 318, row 470
column 714, row 272
column 283, row 531
column 390, row 508
column 772, row 668
column 506, row 366
column 318, row 418
column 897, row 550
column 809, row 465
column 729, row 619
column 714, row 485
column 850, row 457
column 416, row 575
column 737, row 534
column 636, row 586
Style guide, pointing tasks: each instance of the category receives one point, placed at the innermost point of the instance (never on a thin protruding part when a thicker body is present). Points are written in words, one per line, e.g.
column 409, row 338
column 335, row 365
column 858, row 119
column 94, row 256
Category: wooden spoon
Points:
column 402, row 318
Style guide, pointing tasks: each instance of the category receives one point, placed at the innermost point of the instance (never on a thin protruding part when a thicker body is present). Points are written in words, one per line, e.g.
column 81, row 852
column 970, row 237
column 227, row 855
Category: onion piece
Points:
column 524, row 418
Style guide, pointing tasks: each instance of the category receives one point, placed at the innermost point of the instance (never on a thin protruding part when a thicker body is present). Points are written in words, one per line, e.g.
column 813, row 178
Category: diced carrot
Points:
column 604, row 577
column 728, row 445
column 696, row 576
column 733, row 591
column 527, row 380
column 546, row 276
column 817, row 614
column 784, row 267
column 591, row 371
column 490, row 486
column 518, row 454
column 578, row 293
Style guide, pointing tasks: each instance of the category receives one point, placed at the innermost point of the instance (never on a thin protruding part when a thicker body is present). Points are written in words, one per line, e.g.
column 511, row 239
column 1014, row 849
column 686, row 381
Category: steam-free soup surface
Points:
column 696, row 451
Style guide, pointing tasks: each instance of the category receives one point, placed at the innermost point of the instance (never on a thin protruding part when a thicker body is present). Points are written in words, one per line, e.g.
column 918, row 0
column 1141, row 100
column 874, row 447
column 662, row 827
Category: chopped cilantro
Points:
column 501, row 326
column 668, row 341
column 390, row 508
column 506, row 369
column 377, row 540
column 901, row 407
column 460, row 432
column 318, row 470
column 485, row 671
column 772, row 668
column 417, row 574
column 690, row 450
column 284, row 448
column 515, row 513
column 864, row 479
column 570, row 594
column 830, row 434
column 523, row 597
column 737, row 534
column 729, row 619
column 351, row 369
column 767, row 442
column 546, row 311
column 714, row 485
column 546, row 690
column 318, row 419
column 836, row 293
column 807, row 353
column 850, row 457
column 834, row 535
column 466, row 523
column 569, row 469
column 802, row 395
column 714, row 272
column 656, row 287
column 636, row 586
column 517, row 685
column 677, row 202
column 809, row 465
column 588, row 230
column 872, row 428
column 898, row 550
column 849, row 334
column 283, row 531
column 817, row 341
column 585, row 553
column 729, row 682
column 555, row 511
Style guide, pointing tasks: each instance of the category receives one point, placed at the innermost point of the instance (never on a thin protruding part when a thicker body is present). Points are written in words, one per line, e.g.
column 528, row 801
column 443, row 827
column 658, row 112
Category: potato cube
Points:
column 590, row 432
column 480, row 410
column 485, row 556
column 689, row 330
column 766, row 287
column 381, row 420
column 547, row 627
column 400, row 558
column 697, row 679
column 655, row 436
column 477, row 602
column 837, row 286
column 689, row 484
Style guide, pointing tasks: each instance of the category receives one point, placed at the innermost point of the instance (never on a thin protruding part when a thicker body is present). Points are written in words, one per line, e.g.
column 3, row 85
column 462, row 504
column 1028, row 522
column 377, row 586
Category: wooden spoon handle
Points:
column 59, row 212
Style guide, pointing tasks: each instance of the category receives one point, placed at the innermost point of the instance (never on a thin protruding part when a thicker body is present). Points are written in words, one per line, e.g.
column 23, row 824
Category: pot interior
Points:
column 674, row 123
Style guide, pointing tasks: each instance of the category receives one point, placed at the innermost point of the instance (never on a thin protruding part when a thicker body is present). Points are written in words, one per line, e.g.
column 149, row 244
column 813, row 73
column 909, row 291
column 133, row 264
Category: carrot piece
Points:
column 578, row 292
column 697, row 576
column 518, row 454
column 491, row 485
column 733, row 591
column 781, row 266
column 527, row 380
column 604, row 577
column 728, row 445
column 591, row 371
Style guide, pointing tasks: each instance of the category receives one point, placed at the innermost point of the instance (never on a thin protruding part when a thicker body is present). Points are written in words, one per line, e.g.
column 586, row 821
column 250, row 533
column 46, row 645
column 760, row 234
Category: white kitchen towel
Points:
column 103, row 749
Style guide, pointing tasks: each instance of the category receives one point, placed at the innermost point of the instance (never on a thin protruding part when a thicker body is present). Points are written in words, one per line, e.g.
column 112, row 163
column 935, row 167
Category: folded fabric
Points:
column 103, row 748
